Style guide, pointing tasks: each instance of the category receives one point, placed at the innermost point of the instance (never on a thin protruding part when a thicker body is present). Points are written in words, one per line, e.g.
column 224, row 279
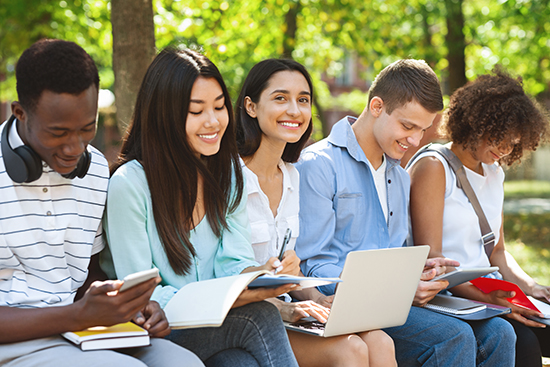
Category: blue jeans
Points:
column 431, row 339
column 256, row 328
column 231, row 358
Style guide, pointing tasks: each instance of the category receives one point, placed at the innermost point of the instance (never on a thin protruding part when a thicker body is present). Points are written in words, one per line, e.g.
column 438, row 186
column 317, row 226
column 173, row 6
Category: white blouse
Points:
column 268, row 231
column 461, row 232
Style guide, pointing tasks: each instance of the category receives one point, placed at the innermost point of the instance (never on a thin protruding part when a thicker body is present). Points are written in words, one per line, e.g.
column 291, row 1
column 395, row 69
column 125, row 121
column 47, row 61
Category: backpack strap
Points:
column 487, row 234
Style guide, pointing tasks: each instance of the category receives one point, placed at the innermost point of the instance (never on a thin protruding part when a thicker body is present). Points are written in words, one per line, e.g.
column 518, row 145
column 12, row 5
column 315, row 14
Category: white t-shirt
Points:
column 268, row 231
column 461, row 232
column 379, row 176
column 49, row 228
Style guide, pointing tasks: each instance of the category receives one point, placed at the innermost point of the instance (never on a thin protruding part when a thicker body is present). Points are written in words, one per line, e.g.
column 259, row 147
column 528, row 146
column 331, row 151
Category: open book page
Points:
column 206, row 303
column 543, row 307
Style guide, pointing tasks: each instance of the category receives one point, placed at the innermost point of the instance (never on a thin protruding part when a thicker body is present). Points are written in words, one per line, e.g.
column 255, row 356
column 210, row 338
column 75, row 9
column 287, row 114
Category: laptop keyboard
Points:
column 309, row 325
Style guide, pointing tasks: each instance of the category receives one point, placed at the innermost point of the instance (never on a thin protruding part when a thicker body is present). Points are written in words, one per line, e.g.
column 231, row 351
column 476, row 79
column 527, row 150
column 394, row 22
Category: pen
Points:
column 285, row 242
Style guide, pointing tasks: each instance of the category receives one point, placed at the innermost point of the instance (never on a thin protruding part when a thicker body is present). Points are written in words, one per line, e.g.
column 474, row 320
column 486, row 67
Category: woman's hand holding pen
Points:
column 290, row 264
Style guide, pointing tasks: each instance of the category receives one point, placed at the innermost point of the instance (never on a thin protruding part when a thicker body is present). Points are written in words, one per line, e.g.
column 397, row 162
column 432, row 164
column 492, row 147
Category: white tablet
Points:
column 462, row 275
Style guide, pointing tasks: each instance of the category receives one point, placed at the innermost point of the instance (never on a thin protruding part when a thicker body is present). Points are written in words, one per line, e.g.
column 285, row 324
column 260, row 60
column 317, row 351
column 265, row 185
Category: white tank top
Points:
column 461, row 232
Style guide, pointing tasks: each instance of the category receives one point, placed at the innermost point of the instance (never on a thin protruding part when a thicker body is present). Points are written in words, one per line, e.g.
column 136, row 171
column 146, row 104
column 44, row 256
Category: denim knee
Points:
column 496, row 341
column 262, row 314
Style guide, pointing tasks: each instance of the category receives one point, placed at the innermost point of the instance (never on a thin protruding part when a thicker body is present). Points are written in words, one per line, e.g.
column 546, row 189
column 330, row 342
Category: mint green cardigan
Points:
column 134, row 243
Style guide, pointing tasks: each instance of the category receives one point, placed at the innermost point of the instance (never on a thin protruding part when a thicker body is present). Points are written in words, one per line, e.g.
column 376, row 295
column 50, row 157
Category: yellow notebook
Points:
column 125, row 335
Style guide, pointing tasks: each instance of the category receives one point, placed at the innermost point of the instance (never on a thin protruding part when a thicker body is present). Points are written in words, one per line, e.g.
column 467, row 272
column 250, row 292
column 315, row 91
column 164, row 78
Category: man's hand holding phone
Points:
column 137, row 278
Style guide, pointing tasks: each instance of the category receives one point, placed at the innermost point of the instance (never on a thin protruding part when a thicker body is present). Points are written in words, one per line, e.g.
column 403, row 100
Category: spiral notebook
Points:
column 464, row 308
column 454, row 305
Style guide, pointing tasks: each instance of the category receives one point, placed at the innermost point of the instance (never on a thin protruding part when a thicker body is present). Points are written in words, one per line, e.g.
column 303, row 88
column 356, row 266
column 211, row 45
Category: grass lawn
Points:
column 528, row 235
column 526, row 189
column 528, row 239
column 533, row 259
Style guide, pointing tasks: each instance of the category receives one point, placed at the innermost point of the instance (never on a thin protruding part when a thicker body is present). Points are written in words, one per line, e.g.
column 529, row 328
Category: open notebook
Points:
column 377, row 291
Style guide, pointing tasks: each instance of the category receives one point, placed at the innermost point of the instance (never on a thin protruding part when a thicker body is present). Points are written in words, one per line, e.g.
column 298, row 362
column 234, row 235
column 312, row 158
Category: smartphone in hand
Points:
column 137, row 278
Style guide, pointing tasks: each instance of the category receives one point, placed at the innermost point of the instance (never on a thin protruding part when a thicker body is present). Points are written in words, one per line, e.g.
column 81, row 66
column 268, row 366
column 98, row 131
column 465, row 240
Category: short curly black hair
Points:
column 496, row 107
column 55, row 65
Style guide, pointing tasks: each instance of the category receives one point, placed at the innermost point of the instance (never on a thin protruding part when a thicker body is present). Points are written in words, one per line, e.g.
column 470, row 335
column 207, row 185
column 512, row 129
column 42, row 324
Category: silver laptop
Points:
column 377, row 291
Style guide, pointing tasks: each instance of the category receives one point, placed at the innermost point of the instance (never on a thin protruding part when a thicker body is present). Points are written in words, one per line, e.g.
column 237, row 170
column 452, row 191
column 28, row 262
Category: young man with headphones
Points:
column 53, row 188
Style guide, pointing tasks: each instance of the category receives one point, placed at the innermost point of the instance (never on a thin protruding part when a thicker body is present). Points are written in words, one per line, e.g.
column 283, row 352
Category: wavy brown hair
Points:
column 157, row 139
column 494, row 106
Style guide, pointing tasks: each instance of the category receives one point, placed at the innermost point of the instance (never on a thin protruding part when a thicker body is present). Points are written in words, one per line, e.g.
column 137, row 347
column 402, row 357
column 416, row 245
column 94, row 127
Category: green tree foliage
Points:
column 24, row 22
column 514, row 33
column 237, row 34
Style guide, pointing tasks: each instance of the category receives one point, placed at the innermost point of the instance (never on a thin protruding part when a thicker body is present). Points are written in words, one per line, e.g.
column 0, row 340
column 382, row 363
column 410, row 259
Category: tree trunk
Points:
column 289, row 37
column 429, row 51
column 456, row 44
column 289, row 43
column 133, row 51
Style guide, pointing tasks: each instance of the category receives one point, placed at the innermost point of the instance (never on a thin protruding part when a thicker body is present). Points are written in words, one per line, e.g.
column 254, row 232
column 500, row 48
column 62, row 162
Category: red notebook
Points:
column 487, row 285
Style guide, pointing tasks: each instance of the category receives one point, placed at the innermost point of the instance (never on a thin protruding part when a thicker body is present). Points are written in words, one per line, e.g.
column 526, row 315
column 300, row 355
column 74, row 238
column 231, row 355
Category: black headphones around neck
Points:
column 23, row 164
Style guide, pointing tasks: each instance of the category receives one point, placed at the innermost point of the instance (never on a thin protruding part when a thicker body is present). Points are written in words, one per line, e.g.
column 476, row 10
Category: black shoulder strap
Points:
column 487, row 235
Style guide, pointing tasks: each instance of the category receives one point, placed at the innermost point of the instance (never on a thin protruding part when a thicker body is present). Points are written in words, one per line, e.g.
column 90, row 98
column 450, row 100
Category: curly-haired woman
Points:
column 489, row 122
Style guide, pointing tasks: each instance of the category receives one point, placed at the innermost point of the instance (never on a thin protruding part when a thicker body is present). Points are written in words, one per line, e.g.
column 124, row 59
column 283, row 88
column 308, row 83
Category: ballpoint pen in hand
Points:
column 283, row 247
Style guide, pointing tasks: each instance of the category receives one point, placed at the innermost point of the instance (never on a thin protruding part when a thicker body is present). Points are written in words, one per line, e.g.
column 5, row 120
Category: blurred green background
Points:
column 343, row 43
column 527, row 233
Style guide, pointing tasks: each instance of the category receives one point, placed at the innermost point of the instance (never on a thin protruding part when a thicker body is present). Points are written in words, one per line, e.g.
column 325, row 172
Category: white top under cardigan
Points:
column 268, row 231
column 461, row 232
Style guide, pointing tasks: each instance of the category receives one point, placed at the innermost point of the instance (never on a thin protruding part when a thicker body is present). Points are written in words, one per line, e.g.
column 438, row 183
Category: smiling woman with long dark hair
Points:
column 274, row 122
column 175, row 202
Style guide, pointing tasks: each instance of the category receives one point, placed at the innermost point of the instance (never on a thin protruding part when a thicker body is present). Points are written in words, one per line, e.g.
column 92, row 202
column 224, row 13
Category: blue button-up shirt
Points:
column 339, row 206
